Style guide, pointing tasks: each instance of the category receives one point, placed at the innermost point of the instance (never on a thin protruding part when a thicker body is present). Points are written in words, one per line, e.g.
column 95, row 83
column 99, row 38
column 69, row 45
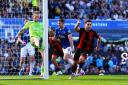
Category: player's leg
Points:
column 68, row 58
column 38, row 43
column 31, row 51
column 41, row 49
column 42, row 66
column 54, row 56
column 82, row 59
column 35, row 42
column 23, row 54
column 76, row 61
column 58, row 68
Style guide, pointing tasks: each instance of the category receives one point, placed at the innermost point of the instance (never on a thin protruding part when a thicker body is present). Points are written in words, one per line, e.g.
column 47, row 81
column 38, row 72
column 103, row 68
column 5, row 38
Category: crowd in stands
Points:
column 108, row 59
column 68, row 9
column 92, row 9
column 15, row 8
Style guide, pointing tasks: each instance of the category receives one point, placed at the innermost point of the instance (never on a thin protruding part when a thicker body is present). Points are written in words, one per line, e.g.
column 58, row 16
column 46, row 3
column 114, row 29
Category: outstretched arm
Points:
column 20, row 40
column 77, row 26
column 20, row 32
column 71, row 41
column 26, row 26
column 19, row 37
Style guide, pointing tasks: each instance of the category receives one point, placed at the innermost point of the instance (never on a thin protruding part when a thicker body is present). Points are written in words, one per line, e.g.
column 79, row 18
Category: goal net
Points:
column 16, row 57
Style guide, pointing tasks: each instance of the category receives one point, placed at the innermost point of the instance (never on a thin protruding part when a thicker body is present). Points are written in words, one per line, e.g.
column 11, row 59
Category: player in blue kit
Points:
column 64, row 35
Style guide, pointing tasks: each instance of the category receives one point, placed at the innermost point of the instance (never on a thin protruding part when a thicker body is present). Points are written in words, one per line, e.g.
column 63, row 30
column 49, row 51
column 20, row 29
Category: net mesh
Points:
column 14, row 12
column 12, row 16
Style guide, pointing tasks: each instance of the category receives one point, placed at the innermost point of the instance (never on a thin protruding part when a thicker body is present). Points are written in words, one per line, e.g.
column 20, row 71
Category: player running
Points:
column 85, row 45
column 64, row 35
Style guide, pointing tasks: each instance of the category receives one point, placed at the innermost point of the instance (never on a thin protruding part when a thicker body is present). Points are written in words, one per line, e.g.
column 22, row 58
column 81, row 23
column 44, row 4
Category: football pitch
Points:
column 63, row 80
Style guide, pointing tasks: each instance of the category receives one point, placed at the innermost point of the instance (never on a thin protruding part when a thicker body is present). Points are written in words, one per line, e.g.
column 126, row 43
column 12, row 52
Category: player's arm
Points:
column 20, row 32
column 98, row 40
column 77, row 26
column 20, row 40
column 71, row 41
column 18, row 36
column 98, row 43
column 26, row 26
column 56, row 37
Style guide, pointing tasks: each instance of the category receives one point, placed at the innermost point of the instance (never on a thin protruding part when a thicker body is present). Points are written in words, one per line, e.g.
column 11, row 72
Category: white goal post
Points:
column 45, row 22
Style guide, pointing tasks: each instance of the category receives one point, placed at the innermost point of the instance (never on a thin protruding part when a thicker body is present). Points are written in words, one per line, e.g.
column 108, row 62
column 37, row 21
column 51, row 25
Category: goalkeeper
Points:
column 36, row 33
column 26, row 48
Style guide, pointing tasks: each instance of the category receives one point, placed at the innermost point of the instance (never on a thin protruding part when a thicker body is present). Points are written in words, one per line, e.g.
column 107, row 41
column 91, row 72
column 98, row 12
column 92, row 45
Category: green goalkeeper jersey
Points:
column 36, row 30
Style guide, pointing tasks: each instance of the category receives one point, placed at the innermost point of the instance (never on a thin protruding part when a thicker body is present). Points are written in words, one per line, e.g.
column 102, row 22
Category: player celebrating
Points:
column 64, row 35
column 85, row 44
column 36, row 33
column 27, row 48
column 57, row 49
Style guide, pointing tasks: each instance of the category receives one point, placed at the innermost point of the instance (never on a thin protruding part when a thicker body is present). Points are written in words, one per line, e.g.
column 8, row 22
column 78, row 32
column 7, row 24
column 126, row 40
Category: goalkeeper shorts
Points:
column 38, row 43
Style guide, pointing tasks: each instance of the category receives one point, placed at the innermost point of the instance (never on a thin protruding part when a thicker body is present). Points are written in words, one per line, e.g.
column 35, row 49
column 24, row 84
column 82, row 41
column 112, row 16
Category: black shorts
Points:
column 100, row 68
column 81, row 52
column 58, row 53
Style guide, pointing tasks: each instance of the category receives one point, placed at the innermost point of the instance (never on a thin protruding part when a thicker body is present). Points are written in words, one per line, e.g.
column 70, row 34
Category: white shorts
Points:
column 68, row 50
column 28, row 49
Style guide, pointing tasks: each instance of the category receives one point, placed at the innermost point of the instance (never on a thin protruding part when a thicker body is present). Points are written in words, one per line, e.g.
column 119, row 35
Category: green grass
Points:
column 63, row 80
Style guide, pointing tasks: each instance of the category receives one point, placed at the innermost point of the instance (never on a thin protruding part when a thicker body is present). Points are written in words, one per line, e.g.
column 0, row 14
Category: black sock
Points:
column 74, row 67
column 57, row 69
column 81, row 65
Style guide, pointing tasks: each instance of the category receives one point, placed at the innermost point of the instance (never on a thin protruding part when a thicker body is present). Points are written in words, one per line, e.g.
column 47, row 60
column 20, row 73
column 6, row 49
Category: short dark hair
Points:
column 87, row 21
column 61, row 20
column 36, row 8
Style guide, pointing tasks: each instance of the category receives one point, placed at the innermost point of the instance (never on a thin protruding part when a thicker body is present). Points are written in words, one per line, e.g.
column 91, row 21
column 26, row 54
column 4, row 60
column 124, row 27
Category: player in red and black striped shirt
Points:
column 85, row 44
